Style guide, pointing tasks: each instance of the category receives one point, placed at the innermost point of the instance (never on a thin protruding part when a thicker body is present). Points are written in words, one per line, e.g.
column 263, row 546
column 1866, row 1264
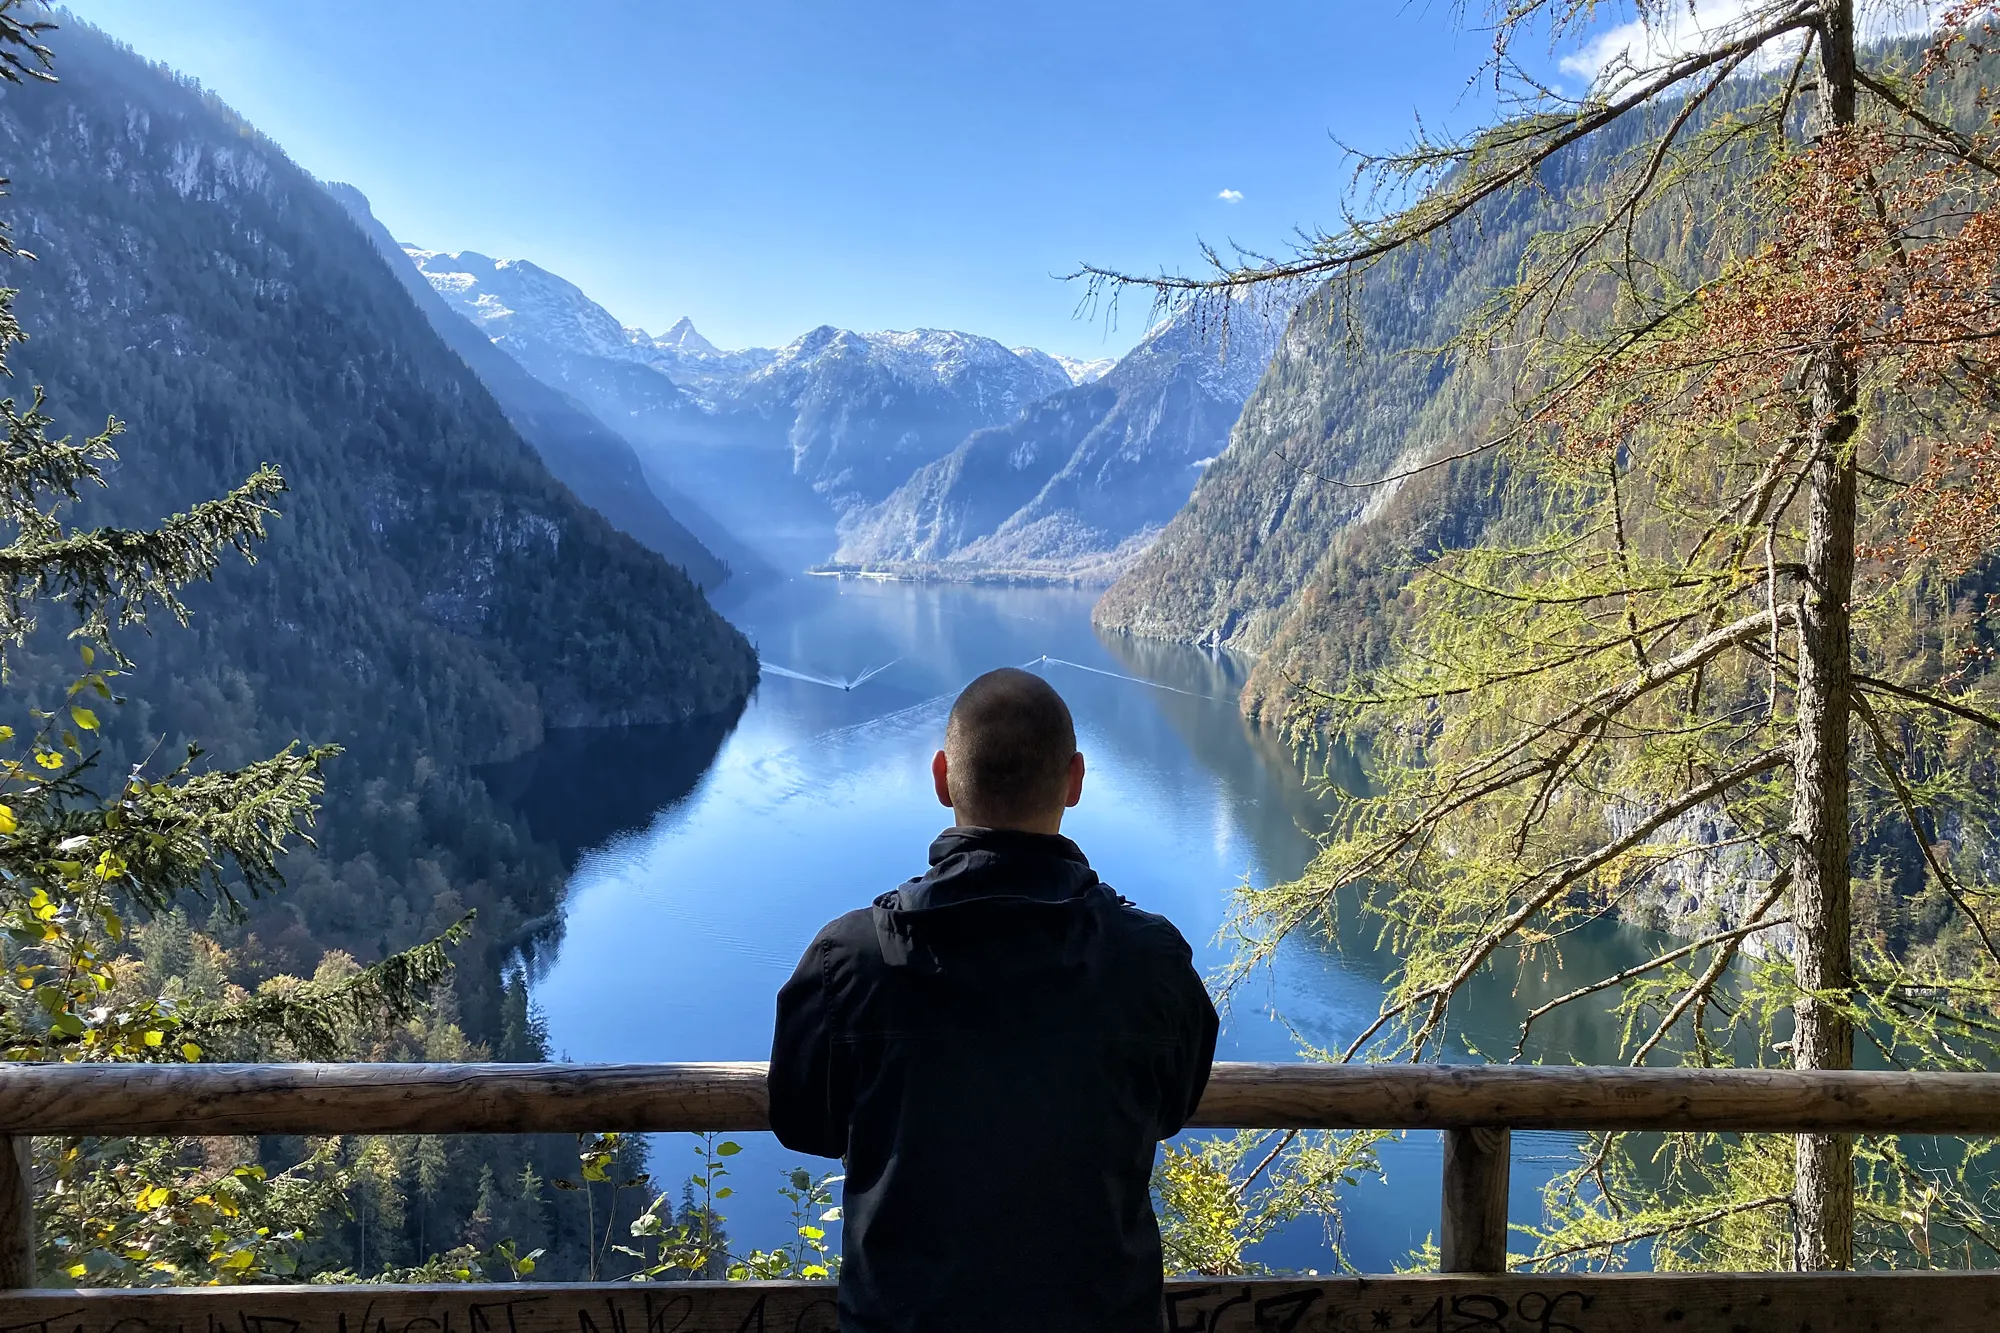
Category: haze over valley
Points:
column 929, row 451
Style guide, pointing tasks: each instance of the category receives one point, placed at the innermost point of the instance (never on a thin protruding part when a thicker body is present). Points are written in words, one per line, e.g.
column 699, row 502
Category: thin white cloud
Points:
column 1660, row 32
column 1230, row 196
column 1655, row 35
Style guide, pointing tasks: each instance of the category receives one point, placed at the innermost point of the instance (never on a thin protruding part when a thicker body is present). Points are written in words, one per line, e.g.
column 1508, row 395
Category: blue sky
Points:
column 767, row 167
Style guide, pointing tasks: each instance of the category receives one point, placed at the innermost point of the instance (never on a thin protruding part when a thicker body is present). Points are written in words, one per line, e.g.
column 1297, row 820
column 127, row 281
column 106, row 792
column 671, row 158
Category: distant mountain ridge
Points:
column 1081, row 482
column 926, row 446
column 1083, row 372
column 776, row 442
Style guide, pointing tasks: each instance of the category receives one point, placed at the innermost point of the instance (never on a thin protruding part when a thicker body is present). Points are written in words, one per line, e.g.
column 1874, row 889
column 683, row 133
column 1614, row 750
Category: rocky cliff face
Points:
column 596, row 463
column 1081, row 481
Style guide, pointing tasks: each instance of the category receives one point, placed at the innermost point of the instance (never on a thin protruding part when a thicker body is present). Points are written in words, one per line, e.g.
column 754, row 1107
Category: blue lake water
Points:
column 697, row 881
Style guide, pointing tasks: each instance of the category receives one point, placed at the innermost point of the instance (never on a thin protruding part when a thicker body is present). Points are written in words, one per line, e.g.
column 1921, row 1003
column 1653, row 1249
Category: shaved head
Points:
column 1010, row 746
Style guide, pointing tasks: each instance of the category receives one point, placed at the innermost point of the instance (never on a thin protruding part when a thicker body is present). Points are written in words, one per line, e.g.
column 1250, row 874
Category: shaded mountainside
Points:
column 596, row 463
column 1081, row 481
column 430, row 598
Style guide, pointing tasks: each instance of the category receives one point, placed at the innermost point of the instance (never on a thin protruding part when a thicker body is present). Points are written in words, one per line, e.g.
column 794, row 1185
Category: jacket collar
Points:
column 969, row 863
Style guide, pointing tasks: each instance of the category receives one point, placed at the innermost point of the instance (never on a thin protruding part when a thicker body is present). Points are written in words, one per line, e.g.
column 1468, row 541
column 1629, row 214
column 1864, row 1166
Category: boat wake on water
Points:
column 850, row 684
column 1046, row 660
column 831, row 682
column 925, row 711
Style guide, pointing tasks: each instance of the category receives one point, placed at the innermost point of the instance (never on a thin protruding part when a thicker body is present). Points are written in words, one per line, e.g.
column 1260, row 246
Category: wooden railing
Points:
column 1476, row 1107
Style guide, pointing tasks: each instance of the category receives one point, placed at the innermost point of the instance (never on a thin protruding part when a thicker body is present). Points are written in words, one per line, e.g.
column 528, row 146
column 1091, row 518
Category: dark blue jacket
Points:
column 995, row 1048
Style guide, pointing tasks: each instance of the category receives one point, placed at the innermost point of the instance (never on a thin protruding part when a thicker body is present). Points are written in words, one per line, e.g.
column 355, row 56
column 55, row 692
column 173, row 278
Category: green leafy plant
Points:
column 696, row 1243
column 1219, row 1196
column 808, row 1256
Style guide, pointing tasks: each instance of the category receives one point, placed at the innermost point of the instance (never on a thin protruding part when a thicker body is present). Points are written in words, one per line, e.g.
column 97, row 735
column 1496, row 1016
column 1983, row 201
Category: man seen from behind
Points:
column 996, row 1048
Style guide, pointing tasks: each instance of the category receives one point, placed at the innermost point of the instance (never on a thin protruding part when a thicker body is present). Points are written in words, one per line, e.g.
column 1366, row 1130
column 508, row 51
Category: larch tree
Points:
column 1730, row 620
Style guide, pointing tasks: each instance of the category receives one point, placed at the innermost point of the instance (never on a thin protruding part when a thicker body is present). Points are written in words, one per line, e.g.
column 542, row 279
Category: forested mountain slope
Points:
column 1081, row 480
column 430, row 598
column 1279, row 552
column 597, row 464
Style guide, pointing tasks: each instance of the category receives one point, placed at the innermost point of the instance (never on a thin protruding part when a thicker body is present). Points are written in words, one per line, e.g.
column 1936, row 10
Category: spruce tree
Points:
column 86, row 853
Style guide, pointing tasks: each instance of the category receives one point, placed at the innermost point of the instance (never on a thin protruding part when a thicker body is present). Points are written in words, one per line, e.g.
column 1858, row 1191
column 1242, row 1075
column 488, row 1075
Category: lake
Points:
column 705, row 860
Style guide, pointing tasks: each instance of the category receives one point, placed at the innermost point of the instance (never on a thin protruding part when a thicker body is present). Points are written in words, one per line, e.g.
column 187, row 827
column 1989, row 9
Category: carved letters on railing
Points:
column 1557, row 1303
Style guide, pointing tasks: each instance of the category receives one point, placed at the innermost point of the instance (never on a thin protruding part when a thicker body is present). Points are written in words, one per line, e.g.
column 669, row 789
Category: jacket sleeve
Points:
column 801, row 1079
column 1195, row 1048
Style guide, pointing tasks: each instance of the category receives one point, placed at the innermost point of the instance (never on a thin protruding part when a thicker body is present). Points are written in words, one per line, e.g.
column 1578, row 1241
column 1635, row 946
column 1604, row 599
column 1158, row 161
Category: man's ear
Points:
column 941, row 776
column 1075, row 779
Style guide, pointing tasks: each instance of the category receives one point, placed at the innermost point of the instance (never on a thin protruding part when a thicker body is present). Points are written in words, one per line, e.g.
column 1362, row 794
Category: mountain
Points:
column 682, row 337
column 1083, row 372
column 777, row 443
column 430, row 598
column 869, row 408
column 584, row 454
column 1082, row 480
column 1278, row 553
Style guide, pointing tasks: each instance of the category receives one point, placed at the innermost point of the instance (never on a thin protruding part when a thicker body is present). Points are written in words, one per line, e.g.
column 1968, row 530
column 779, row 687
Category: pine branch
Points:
column 120, row 572
column 314, row 1017
column 1949, row 140
column 1598, row 709
column 1937, row 701
column 1671, row 1226
column 22, row 56
column 1884, row 757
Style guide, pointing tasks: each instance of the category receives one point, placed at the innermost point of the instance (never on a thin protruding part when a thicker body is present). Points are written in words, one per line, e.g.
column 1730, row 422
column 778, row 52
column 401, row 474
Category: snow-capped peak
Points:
column 512, row 298
column 1084, row 372
column 683, row 337
column 537, row 313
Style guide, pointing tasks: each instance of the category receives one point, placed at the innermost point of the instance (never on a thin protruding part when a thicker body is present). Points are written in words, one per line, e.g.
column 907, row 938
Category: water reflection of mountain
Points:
column 1271, row 792
column 581, row 788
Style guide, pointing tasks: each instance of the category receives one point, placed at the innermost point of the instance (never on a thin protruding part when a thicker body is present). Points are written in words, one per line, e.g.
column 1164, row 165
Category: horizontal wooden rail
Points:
column 498, row 1099
column 1557, row 1303
column 1475, row 1104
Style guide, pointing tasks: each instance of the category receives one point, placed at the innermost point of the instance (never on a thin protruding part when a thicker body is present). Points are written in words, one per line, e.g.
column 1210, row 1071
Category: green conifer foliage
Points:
column 91, row 859
column 136, row 888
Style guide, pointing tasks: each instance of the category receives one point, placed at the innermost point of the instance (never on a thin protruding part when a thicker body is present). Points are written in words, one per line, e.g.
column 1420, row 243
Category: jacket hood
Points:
column 994, row 900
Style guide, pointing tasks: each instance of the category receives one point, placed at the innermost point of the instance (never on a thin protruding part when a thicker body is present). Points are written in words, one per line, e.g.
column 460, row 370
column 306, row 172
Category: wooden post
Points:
column 1475, row 1199
column 17, row 1213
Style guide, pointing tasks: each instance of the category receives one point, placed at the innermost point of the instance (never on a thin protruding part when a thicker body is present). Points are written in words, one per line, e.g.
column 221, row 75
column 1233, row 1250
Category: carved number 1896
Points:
column 1479, row 1313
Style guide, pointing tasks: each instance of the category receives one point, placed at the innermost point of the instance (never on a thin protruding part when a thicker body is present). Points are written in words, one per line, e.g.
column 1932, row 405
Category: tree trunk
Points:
column 1823, row 1191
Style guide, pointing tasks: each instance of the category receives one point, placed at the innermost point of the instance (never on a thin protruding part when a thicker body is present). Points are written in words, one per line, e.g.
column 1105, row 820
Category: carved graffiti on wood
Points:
column 1267, row 1307
column 1576, row 1303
